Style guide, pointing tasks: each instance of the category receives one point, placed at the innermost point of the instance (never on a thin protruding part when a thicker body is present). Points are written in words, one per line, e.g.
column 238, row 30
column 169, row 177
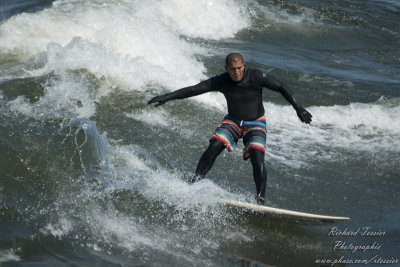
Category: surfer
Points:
column 242, row 88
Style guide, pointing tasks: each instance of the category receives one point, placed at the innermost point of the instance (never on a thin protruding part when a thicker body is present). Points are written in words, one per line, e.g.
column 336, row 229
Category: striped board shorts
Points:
column 254, row 134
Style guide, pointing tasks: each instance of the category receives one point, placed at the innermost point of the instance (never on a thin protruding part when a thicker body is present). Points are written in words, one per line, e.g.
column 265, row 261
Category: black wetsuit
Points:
column 244, row 98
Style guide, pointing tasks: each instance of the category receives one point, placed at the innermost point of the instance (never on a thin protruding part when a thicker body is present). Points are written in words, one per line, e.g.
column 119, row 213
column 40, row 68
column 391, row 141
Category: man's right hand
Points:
column 159, row 99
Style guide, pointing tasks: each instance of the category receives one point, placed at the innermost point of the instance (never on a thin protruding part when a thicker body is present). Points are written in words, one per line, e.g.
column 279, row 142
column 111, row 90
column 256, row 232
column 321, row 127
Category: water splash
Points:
column 92, row 149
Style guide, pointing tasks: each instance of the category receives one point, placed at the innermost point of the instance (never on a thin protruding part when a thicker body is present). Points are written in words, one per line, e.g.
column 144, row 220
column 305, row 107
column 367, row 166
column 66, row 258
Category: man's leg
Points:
column 259, row 173
column 207, row 159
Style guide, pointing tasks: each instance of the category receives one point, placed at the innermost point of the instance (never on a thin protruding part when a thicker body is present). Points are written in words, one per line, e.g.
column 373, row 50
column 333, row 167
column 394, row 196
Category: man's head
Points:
column 234, row 66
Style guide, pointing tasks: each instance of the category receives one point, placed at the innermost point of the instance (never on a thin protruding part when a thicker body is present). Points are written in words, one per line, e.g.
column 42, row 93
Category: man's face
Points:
column 235, row 70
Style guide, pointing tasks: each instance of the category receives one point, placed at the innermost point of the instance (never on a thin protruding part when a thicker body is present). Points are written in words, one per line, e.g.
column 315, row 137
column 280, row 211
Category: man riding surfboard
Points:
column 242, row 88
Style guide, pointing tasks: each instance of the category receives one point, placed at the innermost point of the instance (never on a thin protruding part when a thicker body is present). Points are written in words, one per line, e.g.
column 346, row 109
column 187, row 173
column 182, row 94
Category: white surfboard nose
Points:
column 290, row 215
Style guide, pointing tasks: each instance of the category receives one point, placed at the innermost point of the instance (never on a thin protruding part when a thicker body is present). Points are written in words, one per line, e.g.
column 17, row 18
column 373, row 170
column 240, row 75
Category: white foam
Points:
column 7, row 255
column 204, row 18
column 130, row 235
column 152, row 26
column 368, row 127
column 149, row 30
column 127, row 45
column 171, row 186
column 158, row 117
column 356, row 127
column 70, row 96
column 212, row 100
column 166, row 196
column 199, row 197
column 60, row 229
column 126, row 156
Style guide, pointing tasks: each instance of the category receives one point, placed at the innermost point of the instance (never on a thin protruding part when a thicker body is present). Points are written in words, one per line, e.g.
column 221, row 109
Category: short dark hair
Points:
column 233, row 57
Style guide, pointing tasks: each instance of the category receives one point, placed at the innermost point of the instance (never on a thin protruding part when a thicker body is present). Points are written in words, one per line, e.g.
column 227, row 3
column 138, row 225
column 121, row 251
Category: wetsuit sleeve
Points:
column 198, row 89
column 276, row 85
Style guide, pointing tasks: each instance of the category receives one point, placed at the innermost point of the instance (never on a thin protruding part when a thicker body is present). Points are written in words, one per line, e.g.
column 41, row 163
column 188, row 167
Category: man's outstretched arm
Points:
column 274, row 84
column 186, row 92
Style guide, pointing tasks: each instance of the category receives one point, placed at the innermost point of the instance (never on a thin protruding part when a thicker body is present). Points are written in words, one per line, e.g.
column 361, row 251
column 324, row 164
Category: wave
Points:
column 120, row 201
column 126, row 46
column 102, row 172
column 138, row 197
column 356, row 128
column 130, row 28
column 336, row 132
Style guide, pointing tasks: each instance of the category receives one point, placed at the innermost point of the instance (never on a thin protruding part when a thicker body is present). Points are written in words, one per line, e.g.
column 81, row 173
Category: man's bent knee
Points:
column 257, row 156
column 215, row 147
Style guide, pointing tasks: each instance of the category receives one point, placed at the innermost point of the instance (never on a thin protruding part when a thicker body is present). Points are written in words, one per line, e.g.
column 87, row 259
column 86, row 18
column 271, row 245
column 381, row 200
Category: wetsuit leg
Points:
column 207, row 159
column 259, row 173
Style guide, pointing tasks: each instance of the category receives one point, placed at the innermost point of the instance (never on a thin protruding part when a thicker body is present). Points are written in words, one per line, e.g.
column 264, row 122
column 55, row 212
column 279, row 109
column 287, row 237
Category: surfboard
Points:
column 283, row 214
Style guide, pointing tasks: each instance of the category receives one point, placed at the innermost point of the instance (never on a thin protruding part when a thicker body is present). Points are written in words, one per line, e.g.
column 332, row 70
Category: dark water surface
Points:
column 92, row 176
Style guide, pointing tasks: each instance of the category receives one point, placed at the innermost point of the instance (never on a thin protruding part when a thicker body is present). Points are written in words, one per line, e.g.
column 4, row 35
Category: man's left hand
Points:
column 303, row 114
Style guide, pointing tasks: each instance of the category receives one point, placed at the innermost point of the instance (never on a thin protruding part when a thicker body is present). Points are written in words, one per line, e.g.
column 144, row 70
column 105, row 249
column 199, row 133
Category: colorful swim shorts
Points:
column 254, row 134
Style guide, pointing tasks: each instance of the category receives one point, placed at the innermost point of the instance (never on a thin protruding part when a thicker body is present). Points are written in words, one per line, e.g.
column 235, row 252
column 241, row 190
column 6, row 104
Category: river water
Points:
column 90, row 175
